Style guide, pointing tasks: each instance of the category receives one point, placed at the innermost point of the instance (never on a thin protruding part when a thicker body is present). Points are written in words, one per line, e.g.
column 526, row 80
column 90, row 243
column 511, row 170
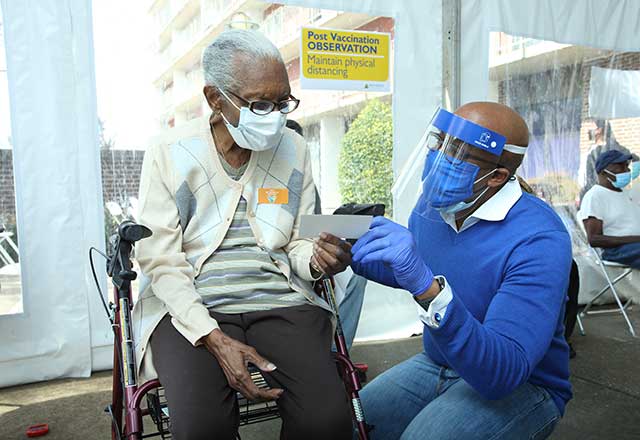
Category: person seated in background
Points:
column 227, row 280
column 603, row 139
column 488, row 267
column 611, row 219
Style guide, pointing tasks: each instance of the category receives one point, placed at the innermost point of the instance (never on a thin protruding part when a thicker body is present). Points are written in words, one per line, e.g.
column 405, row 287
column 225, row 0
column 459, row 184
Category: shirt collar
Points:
column 493, row 210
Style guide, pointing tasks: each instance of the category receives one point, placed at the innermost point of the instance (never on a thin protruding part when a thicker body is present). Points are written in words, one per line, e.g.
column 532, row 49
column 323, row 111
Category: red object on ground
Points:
column 38, row 430
column 361, row 367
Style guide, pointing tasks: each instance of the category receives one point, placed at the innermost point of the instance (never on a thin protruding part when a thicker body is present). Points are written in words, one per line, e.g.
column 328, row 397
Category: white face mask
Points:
column 256, row 132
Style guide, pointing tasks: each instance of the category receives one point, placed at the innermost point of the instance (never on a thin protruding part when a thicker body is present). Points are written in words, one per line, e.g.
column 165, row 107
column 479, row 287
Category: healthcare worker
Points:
column 495, row 361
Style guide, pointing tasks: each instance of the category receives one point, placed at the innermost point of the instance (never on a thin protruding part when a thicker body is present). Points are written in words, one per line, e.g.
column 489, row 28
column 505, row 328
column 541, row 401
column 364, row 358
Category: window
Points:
column 194, row 73
column 315, row 14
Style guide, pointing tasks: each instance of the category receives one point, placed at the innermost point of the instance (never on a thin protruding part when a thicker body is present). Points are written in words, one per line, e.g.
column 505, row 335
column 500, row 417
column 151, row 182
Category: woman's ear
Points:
column 213, row 98
column 499, row 177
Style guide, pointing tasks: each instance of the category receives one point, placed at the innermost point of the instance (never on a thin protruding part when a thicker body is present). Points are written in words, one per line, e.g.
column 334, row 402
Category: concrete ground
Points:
column 606, row 402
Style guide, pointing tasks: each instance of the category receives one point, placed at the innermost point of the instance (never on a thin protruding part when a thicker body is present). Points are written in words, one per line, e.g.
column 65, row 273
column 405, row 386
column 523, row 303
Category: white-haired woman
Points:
column 226, row 279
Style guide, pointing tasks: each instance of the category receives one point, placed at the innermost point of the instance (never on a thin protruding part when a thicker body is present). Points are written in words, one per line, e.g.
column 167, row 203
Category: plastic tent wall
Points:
column 417, row 91
column 62, row 331
column 417, row 86
column 606, row 25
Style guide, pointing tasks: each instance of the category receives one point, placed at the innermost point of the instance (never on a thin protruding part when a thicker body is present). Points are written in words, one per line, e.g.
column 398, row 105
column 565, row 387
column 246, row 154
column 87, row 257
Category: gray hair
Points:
column 217, row 58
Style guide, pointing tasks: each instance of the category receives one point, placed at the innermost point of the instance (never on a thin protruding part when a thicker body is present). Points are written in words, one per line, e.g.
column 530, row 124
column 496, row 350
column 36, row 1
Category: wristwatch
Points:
column 426, row 302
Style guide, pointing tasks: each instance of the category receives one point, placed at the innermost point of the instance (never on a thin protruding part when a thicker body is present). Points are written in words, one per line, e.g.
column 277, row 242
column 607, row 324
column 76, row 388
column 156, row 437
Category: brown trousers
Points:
column 296, row 339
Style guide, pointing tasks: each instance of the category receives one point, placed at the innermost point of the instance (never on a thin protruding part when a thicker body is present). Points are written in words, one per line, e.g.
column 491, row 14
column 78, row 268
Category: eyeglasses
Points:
column 263, row 108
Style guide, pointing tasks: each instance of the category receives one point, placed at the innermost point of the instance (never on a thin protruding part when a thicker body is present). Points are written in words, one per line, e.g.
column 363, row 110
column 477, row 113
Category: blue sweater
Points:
column 504, row 326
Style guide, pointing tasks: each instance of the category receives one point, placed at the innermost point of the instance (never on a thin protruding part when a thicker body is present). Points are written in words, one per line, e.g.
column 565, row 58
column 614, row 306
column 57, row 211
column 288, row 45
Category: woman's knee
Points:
column 328, row 420
column 211, row 426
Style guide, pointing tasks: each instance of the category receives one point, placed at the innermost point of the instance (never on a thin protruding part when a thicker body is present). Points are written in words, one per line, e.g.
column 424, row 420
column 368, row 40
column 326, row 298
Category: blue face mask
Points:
column 461, row 206
column 635, row 170
column 622, row 179
column 454, row 184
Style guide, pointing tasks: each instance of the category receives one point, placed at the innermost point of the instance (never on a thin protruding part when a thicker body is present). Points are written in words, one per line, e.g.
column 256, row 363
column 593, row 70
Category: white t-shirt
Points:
column 620, row 216
column 634, row 192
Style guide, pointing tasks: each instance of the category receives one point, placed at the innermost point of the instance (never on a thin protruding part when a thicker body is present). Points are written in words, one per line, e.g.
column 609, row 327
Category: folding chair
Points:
column 5, row 237
column 126, row 408
column 603, row 264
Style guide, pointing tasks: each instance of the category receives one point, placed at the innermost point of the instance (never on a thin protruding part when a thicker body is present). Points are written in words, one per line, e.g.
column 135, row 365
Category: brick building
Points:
column 120, row 179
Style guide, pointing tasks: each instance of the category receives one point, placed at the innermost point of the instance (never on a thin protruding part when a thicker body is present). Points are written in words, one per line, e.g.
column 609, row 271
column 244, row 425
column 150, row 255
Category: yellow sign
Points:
column 344, row 59
column 273, row 196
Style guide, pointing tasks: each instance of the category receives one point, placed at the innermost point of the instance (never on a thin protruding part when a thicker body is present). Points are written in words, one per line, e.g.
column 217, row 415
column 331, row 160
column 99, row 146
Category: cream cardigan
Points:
column 188, row 200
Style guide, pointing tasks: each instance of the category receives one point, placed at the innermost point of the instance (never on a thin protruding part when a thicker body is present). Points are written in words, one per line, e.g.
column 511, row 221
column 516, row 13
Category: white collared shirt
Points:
column 493, row 210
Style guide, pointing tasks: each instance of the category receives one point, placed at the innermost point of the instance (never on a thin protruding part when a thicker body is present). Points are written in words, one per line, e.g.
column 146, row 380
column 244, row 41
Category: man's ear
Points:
column 213, row 98
column 499, row 177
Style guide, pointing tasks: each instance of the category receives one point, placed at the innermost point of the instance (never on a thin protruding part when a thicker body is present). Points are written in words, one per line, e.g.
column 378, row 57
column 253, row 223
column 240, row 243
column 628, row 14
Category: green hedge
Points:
column 364, row 172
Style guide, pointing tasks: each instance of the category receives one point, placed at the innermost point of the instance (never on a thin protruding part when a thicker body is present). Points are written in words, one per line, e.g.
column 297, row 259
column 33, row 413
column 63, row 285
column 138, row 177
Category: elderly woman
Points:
column 229, row 281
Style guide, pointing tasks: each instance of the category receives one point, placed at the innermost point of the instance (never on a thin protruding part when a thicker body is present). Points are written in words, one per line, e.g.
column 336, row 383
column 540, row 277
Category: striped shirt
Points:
column 240, row 276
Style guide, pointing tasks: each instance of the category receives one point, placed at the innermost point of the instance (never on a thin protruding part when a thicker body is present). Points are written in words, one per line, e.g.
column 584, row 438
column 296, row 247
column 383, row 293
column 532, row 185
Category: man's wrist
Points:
column 432, row 291
column 417, row 278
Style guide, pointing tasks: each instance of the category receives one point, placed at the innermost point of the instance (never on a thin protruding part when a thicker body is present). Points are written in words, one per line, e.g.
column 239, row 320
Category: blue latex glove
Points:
column 393, row 245
column 378, row 272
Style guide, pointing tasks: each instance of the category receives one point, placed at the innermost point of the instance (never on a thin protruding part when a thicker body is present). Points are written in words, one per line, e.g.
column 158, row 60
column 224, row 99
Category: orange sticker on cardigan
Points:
column 273, row 196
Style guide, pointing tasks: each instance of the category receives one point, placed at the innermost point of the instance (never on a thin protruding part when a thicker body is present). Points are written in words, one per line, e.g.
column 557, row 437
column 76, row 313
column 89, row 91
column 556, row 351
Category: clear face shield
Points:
column 461, row 157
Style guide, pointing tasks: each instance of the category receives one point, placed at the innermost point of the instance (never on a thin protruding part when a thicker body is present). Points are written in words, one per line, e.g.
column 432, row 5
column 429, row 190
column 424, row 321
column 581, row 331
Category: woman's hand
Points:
column 331, row 255
column 233, row 357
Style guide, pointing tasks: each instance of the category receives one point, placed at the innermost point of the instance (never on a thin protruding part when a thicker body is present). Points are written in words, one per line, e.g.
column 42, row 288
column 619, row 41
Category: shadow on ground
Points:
column 606, row 402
